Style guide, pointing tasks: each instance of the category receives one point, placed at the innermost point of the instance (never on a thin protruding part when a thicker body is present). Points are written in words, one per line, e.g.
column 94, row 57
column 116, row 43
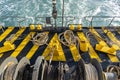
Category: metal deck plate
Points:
column 24, row 45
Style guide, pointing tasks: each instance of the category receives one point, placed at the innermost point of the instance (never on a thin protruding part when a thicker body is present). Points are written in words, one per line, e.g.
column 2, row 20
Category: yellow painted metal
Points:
column 92, row 52
column 39, row 27
column 72, row 27
column 103, row 48
column 84, row 44
column 79, row 27
column 22, row 45
column 3, row 35
column 75, row 52
column 111, row 36
column 7, row 47
column 112, row 57
column 58, row 54
column 32, row 27
column 32, row 51
column 21, row 30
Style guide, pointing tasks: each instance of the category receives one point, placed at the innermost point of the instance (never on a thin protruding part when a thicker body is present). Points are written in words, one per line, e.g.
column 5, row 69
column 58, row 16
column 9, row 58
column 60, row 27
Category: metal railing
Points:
column 67, row 20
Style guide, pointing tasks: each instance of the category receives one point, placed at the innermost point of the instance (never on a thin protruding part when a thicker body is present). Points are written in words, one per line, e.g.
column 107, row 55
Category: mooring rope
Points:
column 9, row 72
column 114, row 69
column 109, row 76
column 91, row 72
column 40, row 39
column 68, row 38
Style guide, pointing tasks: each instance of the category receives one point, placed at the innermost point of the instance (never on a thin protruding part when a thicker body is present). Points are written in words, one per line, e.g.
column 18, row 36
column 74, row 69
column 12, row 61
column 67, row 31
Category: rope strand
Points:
column 91, row 72
column 40, row 39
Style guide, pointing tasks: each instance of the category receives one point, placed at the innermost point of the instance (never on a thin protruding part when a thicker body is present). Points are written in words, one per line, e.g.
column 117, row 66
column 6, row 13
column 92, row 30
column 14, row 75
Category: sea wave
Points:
column 78, row 8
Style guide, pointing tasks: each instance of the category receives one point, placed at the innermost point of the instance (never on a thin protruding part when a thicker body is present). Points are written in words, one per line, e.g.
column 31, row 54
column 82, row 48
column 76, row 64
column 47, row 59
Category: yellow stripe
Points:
column 58, row 54
column 32, row 51
column 92, row 52
column 16, row 36
column 112, row 37
column 112, row 58
column 75, row 52
column 22, row 45
column 3, row 35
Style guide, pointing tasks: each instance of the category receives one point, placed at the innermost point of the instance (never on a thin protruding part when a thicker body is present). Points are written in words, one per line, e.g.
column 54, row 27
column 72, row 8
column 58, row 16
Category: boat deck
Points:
column 25, row 48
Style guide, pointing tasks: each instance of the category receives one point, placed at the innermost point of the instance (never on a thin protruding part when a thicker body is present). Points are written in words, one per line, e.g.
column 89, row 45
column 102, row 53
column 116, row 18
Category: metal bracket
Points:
column 7, row 47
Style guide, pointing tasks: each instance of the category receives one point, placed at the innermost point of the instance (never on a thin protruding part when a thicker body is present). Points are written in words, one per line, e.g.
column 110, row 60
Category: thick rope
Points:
column 9, row 72
column 40, row 39
column 114, row 69
column 68, row 38
column 109, row 76
column 91, row 72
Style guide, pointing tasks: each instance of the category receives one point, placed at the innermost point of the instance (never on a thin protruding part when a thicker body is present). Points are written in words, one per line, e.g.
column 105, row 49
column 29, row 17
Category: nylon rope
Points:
column 40, row 39
column 91, row 72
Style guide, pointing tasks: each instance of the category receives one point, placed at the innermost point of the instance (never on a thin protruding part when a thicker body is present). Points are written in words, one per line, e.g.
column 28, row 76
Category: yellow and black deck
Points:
column 24, row 46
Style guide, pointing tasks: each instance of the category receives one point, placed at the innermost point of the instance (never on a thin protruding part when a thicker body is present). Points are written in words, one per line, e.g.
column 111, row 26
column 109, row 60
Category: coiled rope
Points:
column 91, row 72
column 9, row 72
column 68, row 38
column 40, row 39
column 109, row 76
column 115, row 70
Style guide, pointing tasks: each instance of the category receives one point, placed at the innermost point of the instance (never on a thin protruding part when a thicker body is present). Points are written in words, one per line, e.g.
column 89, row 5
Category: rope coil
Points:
column 114, row 69
column 68, row 38
column 40, row 39
column 110, row 76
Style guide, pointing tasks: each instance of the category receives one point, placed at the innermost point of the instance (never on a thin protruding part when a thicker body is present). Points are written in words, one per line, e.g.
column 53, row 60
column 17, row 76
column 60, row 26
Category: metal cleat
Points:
column 7, row 47
column 72, row 27
column 79, row 27
column 83, row 44
column 35, row 27
column 104, row 48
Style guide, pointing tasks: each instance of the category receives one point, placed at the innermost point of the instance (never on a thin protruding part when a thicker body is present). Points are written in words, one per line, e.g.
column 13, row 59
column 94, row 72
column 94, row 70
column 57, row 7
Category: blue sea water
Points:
column 28, row 10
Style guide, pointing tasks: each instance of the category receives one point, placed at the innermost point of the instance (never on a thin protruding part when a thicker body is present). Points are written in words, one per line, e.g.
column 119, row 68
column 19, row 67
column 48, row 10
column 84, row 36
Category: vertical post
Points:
column 63, row 14
column 54, row 12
